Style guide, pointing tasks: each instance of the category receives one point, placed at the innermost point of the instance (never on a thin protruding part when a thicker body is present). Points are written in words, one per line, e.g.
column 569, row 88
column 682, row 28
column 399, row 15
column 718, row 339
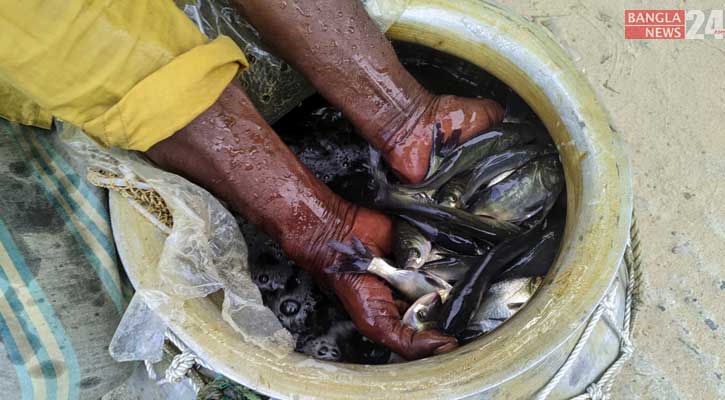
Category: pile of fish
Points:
column 474, row 238
column 451, row 229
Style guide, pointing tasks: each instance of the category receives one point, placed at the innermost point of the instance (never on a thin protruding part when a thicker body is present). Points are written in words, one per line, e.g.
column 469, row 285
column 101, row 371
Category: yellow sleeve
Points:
column 17, row 107
column 130, row 73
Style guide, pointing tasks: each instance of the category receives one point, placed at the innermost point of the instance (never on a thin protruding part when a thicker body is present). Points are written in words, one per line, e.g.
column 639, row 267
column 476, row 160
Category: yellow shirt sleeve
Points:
column 130, row 73
column 17, row 107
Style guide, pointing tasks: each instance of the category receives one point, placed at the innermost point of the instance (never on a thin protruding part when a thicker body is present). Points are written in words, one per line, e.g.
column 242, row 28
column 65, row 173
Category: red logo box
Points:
column 654, row 24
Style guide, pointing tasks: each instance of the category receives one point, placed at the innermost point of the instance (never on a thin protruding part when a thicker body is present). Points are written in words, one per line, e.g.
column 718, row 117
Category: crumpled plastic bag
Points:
column 272, row 85
column 385, row 12
column 203, row 253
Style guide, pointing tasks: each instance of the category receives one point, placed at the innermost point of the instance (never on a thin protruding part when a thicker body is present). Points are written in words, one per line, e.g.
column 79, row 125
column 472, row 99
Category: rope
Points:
column 544, row 393
column 633, row 259
column 600, row 390
column 183, row 364
column 180, row 366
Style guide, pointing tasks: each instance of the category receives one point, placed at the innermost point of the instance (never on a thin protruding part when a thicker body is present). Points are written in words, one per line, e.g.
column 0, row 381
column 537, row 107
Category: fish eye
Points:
column 422, row 314
column 263, row 278
column 289, row 307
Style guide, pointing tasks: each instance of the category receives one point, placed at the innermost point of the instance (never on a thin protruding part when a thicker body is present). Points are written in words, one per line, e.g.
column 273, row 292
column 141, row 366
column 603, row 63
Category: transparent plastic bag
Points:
column 385, row 12
column 203, row 253
column 273, row 86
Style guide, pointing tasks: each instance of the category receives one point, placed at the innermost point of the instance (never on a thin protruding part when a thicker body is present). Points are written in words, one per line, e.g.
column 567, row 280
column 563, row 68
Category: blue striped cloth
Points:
column 63, row 295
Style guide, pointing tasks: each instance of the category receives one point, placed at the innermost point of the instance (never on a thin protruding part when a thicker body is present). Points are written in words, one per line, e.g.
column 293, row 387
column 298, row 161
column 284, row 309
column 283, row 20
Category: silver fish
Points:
column 501, row 302
column 493, row 168
column 530, row 190
column 418, row 316
column 413, row 284
column 450, row 194
column 463, row 157
column 411, row 248
column 451, row 268
column 412, row 206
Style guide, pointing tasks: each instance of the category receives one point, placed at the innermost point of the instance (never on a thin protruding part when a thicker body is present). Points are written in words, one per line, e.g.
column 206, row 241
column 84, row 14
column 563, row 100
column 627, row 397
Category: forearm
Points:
column 336, row 45
column 232, row 152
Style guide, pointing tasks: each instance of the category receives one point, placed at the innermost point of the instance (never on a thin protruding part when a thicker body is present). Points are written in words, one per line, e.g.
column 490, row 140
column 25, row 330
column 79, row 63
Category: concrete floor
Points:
column 667, row 98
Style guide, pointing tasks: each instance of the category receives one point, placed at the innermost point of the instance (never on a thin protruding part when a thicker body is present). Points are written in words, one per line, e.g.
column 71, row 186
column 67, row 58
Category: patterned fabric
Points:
column 62, row 293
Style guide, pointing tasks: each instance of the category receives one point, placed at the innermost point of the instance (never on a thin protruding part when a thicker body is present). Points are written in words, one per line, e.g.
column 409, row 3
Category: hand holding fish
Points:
column 369, row 300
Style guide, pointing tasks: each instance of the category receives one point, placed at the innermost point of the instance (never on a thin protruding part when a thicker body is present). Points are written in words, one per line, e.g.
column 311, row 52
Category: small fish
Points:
column 530, row 190
column 412, row 284
column 419, row 314
column 451, row 268
column 497, row 164
column 501, row 302
column 450, row 194
column 537, row 261
column 411, row 247
column 465, row 156
column 466, row 296
column 390, row 199
column 447, row 237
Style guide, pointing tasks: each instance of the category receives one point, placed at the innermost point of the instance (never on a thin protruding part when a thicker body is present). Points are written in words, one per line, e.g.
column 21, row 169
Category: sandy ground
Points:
column 667, row 98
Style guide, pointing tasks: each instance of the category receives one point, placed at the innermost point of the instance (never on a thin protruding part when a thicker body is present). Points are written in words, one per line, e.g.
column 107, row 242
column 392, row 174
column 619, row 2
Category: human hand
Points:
column 367, row 298
column 458, row 119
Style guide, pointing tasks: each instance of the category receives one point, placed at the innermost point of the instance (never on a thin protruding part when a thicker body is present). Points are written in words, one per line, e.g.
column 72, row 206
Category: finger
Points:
column 370, row 303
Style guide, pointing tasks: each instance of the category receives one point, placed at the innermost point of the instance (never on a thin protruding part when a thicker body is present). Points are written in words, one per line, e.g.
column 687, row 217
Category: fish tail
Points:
column 357, row 257
column 383, row 188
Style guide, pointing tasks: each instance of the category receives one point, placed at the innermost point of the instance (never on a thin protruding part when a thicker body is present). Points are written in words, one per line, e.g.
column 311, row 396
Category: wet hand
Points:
column 367, row 298
column 369, row 301
column 460, row 119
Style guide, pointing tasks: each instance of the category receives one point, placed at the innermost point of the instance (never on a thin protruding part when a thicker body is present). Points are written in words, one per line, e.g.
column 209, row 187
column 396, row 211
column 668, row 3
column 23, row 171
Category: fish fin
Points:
column 383, row 188
column 361, row 249
column 357, row 257
column 341, row 248
column 450, row 144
